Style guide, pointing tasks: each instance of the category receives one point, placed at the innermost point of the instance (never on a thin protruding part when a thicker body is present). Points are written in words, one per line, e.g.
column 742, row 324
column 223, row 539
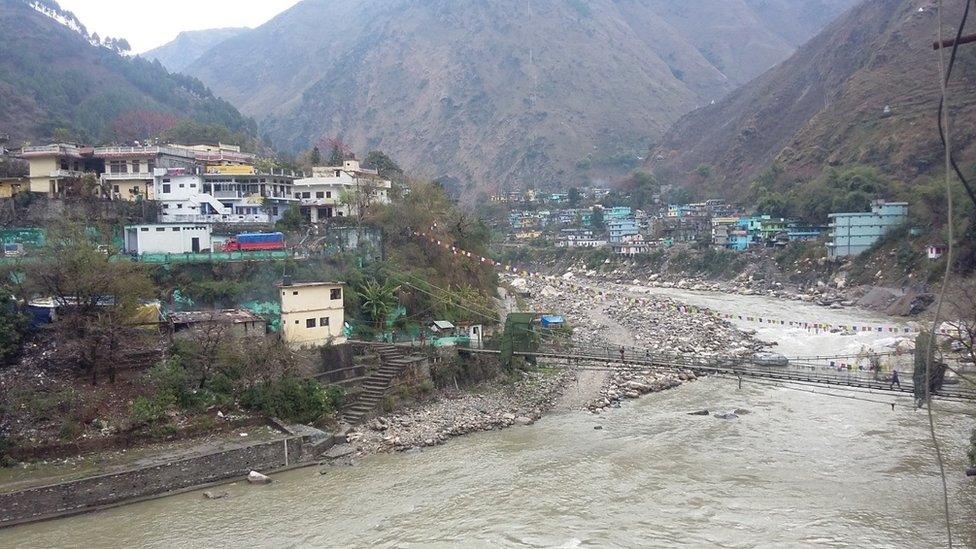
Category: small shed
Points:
column 551, row 321
column 442, row 327
column 168, row 239
column 236, row 322
column 935, row 251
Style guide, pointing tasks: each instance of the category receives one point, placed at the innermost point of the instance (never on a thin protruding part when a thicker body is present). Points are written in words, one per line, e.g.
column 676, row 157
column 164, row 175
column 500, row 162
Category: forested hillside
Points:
column 56, row 79
column 506, row 93
column 864, row 92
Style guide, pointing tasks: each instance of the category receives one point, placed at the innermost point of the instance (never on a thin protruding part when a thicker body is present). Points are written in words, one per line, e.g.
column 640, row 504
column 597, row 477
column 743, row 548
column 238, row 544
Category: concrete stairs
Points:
column 375, row 386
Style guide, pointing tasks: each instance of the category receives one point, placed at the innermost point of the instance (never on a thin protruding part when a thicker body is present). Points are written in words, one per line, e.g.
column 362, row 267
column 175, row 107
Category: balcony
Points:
column 140, row 176
column 66, row 174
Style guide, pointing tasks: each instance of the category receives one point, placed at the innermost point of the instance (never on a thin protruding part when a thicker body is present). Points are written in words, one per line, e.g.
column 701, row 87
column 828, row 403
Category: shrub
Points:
column 292, row 399
column 146, row 412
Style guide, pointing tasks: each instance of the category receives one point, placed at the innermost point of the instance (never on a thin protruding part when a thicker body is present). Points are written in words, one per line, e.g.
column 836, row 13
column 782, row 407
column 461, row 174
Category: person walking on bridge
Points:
column 894, row 380
column 622, row 356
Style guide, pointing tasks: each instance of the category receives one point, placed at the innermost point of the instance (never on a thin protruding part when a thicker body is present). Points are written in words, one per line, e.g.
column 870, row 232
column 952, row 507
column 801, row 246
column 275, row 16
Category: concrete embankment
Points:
column 156, row 480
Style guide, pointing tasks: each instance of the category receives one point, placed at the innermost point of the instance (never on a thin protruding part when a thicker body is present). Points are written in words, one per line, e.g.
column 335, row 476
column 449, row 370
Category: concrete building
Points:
column 853, row 233
column 131, row 173
column 579, row 238
column 167, row 239
column 621, row 229
column 722, row 228
column 57, row 169
column 337, row 191
column 235, row 194
column 312, row 313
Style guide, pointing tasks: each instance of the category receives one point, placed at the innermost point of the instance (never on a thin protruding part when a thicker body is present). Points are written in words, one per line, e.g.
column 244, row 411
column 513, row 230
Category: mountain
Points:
column 55, row 76
column 863, row 91
column 501, row 93
column 189, row 46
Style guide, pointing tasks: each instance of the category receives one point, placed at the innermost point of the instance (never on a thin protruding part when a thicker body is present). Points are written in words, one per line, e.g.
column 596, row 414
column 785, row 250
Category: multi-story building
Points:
column 579, row 238
column 131, row 173
column 621, row 229
column 722, row 228
column 57, row 169
column 338, row 191
column 853, row 233
column 221, row 197
column 312, row 313
column 631, row 245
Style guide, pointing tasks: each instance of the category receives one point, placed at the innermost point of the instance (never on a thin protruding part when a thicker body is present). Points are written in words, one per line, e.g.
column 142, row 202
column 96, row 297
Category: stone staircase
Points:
column 375, row 386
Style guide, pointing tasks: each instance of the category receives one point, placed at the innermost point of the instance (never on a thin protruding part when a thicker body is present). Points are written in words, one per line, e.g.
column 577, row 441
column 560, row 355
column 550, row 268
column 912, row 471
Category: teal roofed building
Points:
column 853, row 233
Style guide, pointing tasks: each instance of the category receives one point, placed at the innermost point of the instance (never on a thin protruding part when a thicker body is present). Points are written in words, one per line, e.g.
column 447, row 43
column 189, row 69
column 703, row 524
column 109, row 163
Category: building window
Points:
column 179, row 206
column 160, row 229
column 176, row 229
column 135, row 166
column 115, row 188
column 328, row 194
column 296, row 322
column 319, row 194
column 144, row 229
column 182, row 185
column 310, row 323
column 335, row 293
column 324, row 321
column 295, row 292
column 165, row 187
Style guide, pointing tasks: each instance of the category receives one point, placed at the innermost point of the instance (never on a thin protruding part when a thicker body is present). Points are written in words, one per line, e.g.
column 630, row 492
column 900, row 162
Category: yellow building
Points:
column 312, row 313
column 55, row 169
column 11, row 186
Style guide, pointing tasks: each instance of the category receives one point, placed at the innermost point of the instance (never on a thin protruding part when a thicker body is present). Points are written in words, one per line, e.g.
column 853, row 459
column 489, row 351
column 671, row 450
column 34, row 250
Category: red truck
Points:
column 254, row 242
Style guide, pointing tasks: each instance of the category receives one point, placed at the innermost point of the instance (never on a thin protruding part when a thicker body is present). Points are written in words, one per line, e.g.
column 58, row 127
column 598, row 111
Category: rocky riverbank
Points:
column 835, row 292
column 489, row 406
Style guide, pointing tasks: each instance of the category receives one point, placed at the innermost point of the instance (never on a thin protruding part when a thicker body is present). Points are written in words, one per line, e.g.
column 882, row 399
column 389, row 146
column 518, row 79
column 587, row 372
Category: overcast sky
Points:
column 150, row 23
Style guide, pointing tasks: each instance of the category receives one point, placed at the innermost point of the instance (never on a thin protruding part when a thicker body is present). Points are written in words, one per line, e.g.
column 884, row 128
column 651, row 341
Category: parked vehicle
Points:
column 252, row 242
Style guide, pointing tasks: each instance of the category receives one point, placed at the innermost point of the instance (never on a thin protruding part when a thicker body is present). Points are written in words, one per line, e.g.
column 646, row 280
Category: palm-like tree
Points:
column 378, row 301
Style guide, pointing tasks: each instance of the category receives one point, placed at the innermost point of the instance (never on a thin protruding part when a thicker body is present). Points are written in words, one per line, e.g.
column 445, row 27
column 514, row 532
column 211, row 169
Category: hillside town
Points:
column 467, row 275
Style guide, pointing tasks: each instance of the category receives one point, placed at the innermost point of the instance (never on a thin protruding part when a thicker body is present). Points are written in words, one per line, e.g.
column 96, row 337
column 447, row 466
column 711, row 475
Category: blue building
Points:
column 618, row 212
column 621, row 229
column 853, row 233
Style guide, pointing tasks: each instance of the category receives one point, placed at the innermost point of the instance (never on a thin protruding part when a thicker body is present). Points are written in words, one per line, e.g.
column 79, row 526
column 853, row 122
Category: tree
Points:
column 98, row 297
column 384, row 165
column 316, row 157
column 143, row 125
column 597, row 221
column 378, row 301
column 573, row 195
column 13, row 327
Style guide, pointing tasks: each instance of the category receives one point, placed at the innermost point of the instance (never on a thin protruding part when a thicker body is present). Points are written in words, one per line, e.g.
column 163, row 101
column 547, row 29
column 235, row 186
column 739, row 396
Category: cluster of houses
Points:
column 629, row 232
column 197, row 183
column 534, row 196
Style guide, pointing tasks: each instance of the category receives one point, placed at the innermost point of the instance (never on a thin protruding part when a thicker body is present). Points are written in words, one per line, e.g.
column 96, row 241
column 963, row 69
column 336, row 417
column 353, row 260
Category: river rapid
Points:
column 798, row 470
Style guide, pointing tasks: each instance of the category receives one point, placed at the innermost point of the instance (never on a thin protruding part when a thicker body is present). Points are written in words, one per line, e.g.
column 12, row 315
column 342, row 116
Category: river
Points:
column 800, row 469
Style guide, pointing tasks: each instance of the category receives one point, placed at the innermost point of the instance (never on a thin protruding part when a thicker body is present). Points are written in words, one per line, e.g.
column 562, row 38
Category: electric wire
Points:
column 945, row 135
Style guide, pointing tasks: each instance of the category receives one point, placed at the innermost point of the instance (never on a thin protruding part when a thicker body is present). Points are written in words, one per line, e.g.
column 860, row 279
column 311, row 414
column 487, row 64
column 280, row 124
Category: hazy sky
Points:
column 150, row 23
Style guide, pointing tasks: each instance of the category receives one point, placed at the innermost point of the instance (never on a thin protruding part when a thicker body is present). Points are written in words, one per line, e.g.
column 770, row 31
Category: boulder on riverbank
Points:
column 255, row 477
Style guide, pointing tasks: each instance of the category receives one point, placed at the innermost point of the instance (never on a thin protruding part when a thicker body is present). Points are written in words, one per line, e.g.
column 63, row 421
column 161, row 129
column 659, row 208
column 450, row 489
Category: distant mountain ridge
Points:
column 54, row 77
column 864, row 91
column 505, row 93
column 188, row 46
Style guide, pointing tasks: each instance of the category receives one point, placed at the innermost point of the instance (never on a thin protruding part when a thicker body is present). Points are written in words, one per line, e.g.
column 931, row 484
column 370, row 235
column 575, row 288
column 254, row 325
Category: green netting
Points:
column 270, row 311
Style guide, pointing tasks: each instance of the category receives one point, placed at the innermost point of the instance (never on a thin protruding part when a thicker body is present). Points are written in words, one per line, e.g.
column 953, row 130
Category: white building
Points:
column 224, row 196
column 336, row 191
column 131, row 173
column 167, row 239
column 575, row 238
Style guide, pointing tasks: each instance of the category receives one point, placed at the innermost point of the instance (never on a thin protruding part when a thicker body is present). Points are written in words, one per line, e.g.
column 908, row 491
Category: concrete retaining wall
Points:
column 78, row 496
